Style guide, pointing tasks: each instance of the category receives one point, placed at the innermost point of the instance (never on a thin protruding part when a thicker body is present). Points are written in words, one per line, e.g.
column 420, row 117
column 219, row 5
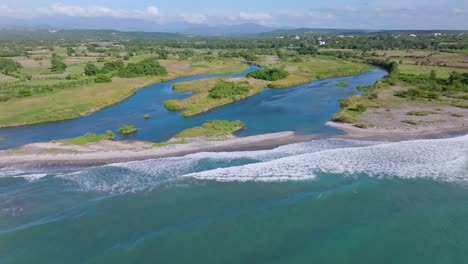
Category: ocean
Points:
column 323, row 201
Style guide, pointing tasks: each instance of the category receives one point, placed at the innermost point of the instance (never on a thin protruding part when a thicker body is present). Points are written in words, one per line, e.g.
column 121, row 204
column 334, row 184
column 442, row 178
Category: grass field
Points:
column 63, row 104
column 442, row 72
column 311, row 68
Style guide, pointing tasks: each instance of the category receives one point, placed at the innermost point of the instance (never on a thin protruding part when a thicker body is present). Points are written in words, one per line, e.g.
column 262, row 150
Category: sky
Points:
column 354, row 14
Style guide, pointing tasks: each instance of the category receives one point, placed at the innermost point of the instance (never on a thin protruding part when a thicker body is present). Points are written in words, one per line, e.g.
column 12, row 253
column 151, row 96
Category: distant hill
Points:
column 302, row 31
column 83, row 34
column 227, row 30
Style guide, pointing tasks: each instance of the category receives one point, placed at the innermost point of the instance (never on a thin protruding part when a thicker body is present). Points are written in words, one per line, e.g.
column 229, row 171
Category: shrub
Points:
column 58, row 66
column 90, row 69
column 103, row 78
column 224, row 89
column 360, row 108
column 344, row 103
column 343, row 84
column 147, row 67
column 269, row 74
column 127, row 130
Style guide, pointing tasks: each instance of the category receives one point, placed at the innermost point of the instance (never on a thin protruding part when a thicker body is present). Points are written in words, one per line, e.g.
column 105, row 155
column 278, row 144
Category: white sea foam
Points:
column 444, row 159
column 32, row 177
column 15, row 173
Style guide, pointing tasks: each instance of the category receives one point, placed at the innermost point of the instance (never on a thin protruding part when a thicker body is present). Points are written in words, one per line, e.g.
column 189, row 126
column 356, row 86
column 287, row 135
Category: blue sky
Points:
column 364, row 14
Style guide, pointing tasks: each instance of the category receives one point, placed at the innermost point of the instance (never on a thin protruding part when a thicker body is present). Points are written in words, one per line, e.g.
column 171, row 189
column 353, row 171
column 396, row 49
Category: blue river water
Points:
column 304, row 109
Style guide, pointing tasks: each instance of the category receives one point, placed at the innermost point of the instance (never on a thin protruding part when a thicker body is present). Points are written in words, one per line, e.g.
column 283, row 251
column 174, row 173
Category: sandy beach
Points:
column 59, row 154
column 398, row 134
column 107, row 152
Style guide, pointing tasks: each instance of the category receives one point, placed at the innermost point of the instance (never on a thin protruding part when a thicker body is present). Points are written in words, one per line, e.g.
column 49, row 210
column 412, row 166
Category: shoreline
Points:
column 395, row 134
column 59, row 154
column 35, row 155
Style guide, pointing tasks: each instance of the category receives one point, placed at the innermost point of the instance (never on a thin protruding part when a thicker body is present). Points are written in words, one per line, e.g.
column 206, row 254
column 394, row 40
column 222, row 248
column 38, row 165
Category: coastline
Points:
column 396, row 134
column 108, row 152
column 59, row 154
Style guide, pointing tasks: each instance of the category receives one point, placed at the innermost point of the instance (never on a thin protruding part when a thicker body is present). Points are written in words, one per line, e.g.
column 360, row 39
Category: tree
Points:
column 90, row 69
column 58, row 66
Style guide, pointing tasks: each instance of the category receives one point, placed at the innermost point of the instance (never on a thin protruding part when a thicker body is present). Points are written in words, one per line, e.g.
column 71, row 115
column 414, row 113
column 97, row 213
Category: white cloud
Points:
column 255, row 17
column 152, row 10
column 98, row 11
column 195, row 19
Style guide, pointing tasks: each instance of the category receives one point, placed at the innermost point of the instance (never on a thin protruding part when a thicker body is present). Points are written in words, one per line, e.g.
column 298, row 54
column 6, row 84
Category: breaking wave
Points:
column 442, row 159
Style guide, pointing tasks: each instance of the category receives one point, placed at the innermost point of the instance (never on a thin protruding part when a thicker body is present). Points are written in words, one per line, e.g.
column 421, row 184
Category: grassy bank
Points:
column 310, row 68
column 76, row 101
column 305, row 71
column 210, row 129
column 407, row 101
column 90, row 138
column 201, row 101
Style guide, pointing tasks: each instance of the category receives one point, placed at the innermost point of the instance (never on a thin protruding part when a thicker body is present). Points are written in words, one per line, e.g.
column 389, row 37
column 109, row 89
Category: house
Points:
column 321, row 43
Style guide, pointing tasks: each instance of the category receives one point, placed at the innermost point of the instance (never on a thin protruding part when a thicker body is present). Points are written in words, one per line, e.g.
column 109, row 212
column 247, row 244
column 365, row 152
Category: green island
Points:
column 211, row 129
column 90, row 138
column 127, row 130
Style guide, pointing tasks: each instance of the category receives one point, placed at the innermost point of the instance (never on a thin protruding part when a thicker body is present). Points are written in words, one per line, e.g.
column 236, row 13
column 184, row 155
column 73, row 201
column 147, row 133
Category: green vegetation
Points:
column 343, row 84
column 146, row 116
column 103, row 78
column 2, row 139
column 91, row 138
column 214, row 128
column 90, row 69
column 127, row 130
column 146, row 67
column 49, row 77
column 8, row 66
column 458, row 115
column 223, row 89
column 269, row 74
column 58, row 65
column 212, row 93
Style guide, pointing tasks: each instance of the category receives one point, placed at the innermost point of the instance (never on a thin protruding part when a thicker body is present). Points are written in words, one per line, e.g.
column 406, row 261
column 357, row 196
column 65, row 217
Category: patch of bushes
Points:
column 417, row 93
column 147, row 67
column 127, row 130
column 8, row 66
column 343, row 84
column 58, row 65
column 269, row 74
column 224, row 89
column 103, row 78
column 91, row 138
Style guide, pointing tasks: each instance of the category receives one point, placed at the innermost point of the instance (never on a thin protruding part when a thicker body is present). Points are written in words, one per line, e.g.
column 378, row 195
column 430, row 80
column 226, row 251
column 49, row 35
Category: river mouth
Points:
column 303, row 109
